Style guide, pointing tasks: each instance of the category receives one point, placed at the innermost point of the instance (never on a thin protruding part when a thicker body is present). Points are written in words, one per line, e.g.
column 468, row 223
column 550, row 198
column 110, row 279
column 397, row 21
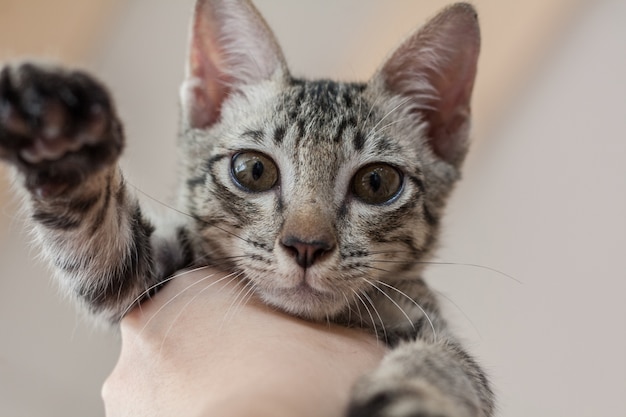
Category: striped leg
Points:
column 59, row 130
column 421, row 378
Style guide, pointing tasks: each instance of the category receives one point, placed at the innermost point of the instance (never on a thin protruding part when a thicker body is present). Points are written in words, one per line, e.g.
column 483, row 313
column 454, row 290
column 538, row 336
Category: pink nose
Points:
column 306, row 253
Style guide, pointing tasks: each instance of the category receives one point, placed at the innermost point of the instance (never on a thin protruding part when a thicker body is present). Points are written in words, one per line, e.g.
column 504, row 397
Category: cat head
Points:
column 316, row 191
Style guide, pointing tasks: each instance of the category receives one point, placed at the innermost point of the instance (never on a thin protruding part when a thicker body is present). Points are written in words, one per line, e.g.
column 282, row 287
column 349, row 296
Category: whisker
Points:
column 231, row 277
column 430, row 322
column 438, row 293
column 246, row 288
column 441, row 263
column 247, row 296
column 235, row 305
column 442, row 295
column 347, row 304
column 388, row 125
column 369, row 313
column 392, row 300
column 369, row 113
column 402, row 103
column 380, row 319
column 168, row 302
column 135, row 301
column 158, row 284
column 222, row 260
column 358, row 310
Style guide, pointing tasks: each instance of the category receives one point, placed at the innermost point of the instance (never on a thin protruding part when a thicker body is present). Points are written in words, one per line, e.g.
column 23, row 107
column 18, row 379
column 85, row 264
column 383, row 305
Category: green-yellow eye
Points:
column 377, row 183
column 254, row 171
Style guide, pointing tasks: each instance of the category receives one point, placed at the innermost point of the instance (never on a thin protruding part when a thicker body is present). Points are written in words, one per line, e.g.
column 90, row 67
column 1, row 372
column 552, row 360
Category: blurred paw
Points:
column 373, row 397
column 56, row 126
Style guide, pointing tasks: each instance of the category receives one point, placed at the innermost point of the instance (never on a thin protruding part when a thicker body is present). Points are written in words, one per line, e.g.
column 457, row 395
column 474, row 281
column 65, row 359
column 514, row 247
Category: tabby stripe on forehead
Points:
column 279, row 134
column 298, row 102
column 359, row 140
column 347, row 99
column 299, row 132
column 339, row 135
column 384, row 145
column 256, row 135
column 324, row 93
column 345, row 123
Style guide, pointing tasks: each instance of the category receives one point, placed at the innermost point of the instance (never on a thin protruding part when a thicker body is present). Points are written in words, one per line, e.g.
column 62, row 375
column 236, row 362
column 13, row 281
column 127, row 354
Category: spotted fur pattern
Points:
column 308, row 244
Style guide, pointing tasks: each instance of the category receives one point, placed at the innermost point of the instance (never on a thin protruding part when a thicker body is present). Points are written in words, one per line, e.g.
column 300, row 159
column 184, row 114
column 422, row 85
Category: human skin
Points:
column 196, row 350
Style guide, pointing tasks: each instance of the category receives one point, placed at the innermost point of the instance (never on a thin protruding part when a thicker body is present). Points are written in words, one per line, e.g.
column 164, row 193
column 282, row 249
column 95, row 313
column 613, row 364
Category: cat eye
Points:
column 377, row 183
column 254, row 171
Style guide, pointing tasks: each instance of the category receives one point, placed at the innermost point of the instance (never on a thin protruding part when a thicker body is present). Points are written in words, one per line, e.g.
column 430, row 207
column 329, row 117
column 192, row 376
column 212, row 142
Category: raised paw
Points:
column 56, row 126
column 374, row 397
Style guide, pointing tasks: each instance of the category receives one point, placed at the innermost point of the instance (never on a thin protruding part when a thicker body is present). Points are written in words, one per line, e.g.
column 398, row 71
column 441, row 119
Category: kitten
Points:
column 325, row 197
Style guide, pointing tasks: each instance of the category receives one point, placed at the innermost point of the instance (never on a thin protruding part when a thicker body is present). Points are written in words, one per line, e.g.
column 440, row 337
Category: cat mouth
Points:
column 304, row 290
column 303, row 300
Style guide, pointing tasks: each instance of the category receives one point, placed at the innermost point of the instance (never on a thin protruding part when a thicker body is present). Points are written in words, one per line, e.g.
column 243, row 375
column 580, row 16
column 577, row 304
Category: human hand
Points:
column 196, row 350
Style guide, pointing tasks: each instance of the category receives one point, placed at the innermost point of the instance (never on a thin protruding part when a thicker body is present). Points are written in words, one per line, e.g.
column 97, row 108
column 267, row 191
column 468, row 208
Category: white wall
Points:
column 543, row 200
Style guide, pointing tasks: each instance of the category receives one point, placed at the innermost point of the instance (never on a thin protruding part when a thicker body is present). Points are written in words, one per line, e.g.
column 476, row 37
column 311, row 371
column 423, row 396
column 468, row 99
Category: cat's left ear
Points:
column 434, row 71
column 231, row 46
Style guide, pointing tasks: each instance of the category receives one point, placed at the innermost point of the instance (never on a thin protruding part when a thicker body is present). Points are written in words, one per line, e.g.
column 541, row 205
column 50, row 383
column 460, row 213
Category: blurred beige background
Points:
column 543, row 199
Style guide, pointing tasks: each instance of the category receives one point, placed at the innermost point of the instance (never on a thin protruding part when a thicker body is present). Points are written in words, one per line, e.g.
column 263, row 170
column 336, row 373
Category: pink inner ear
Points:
column 206, row 86
column 204, row 91
column 231, row 46
column 435, row 68
column 449, row 123
column 202, row 113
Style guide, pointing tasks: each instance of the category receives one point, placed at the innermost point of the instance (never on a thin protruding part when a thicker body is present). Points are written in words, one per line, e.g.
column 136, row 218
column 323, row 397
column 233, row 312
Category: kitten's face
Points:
column 318, row 191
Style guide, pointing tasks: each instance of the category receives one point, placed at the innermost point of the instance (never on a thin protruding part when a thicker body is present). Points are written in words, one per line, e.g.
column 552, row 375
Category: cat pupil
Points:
column 257, row 170
column 375, row 181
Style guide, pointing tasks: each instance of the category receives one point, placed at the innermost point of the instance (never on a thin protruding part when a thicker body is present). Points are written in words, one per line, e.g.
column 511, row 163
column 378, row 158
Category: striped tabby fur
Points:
column 326, row 196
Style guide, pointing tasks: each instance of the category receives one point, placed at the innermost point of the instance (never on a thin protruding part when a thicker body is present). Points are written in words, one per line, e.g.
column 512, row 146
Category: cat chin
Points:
column 304, row 301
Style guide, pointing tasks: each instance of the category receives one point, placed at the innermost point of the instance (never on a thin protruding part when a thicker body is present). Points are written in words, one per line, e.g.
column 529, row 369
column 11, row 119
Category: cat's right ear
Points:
column 231, row 46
